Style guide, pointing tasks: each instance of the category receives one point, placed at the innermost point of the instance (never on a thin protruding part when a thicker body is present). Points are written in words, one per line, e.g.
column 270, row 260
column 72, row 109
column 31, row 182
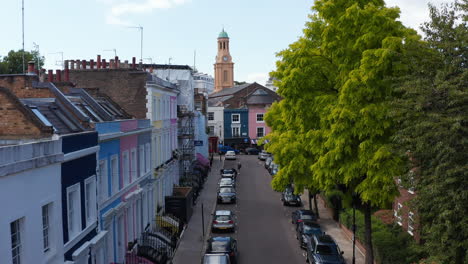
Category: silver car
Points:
column 223, row 220
column 227, row 182
column 263, row 155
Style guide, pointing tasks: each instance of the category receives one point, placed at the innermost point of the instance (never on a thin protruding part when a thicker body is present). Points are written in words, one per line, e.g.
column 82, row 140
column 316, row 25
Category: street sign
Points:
column 198, row 143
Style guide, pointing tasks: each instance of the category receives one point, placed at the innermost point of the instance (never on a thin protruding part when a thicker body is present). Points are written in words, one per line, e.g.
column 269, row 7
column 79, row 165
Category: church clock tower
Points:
column 224, row 67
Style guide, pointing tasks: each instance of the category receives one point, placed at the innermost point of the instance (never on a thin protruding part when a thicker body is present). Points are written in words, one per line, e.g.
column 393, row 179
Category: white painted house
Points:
column 31, row 203
column 215, row 116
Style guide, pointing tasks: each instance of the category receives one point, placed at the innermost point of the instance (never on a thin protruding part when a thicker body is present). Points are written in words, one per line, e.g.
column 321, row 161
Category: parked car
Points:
column 263, row 155
column 271, row 166
column 289, row 198
column 275, row 170
column 223, row 149
column 227, row 182
column 223, row 245
column 268, row 161
column 223, row 220
column 302, row 215
column 230, row 155
column 226, row 195
column 228, row 173
column 323, row 249
column 305, row 230
column 252, row 151
column 221, row 258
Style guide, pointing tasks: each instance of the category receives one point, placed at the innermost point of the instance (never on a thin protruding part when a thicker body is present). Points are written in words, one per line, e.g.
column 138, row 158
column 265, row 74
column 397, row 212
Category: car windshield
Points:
column 226, row 180
column 219, row 246
column 215, row 260
column 326, row 250
column 223, row 218
column 230, row 152
column 226, row 190
column 228, row 171
column 311, row 230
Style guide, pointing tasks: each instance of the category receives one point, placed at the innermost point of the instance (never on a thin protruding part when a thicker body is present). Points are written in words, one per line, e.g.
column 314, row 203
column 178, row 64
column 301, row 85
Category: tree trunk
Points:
column 310, row 201
column 368, row 234
column 316, row 206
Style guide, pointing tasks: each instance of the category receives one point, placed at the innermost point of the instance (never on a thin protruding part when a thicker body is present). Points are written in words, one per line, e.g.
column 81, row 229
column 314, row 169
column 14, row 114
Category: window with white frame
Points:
column 410, row 222
column 148, row 157
column 154, row 114
column 260, row 132
column 260, row 118
column 397, row 214
column 211, row 128
column 125, row 168
column 103, row 180
column 90, row 200
column 16, row 235
column 235, row 131
column 141, row 154
column 210, row 116
column 235, row 118
column 46, row 216
column 133, row 165
column 115, row 174
column 73, row 210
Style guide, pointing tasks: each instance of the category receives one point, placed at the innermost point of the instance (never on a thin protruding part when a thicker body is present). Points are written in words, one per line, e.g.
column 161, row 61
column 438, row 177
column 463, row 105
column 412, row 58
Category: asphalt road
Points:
column 264, row 231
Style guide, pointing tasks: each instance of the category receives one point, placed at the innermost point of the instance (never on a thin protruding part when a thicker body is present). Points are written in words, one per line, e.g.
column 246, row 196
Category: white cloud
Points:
column 120, row 8
column 259, row 77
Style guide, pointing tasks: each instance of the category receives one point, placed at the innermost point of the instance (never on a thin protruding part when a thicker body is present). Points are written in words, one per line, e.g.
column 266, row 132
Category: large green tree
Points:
column 433, row 125
column 334, row 125
column 13, row 62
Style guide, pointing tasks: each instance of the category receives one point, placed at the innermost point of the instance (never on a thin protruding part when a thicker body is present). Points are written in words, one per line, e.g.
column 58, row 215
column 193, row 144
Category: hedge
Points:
column 391, row 244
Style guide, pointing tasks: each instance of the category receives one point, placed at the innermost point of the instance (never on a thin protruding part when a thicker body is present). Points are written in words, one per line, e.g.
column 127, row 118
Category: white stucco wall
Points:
column 22, row 195
column 218, row 121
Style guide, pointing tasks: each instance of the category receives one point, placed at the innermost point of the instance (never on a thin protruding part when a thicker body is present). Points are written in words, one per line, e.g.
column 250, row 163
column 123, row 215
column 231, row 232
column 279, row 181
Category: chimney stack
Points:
column 31, row 68
column 99, row 61
column 91, row 64
column 50, row 75
column 83, row 64
column 58, row 75
column 116, row 60
column 133, row 62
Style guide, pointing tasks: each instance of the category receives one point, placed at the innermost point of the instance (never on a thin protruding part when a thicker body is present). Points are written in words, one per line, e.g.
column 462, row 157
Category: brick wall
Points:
column 16, row 121
column 124, row 86
column 21, row 86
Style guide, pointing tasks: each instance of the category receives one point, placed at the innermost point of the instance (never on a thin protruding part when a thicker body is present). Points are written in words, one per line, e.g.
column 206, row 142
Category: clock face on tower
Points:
column 225, row 58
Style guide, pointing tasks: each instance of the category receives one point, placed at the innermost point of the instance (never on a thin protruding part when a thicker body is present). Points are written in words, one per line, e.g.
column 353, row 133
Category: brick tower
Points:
column 224, row 67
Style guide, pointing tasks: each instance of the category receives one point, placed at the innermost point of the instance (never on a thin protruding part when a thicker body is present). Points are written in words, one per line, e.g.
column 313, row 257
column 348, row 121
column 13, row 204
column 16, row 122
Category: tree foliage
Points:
column 13, row 62
column 334, row 125
column 433, row 125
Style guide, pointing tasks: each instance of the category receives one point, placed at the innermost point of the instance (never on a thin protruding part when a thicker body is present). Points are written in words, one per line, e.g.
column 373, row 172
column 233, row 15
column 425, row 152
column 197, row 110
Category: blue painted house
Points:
column 236, row 126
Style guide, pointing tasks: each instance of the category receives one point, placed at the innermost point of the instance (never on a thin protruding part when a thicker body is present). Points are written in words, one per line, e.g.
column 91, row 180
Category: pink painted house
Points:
column 257, row 126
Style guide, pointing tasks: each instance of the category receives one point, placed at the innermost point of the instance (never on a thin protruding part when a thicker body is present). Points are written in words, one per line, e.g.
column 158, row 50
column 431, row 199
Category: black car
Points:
column 305, row 230
column 226, row 195
column 252, row 151
column 302, row 215
column 323, row 249
column 291, row 199
column 226, row 245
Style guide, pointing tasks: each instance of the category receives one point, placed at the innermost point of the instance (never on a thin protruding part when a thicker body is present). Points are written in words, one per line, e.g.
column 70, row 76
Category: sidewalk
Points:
column 332, row 228
column 192, row 242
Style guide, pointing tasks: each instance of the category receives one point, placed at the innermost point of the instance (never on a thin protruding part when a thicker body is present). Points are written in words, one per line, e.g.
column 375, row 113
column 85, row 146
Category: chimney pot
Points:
column 50, row 75
column 78, row 64
column 65, row 63
column 83, row 64
column 104, row 64
column 133, row 62
column 99, row 61
column 72, row 64
column 58, row 75
column 31, row 67
column 91, row 64
column 111, row 64
column 67, row 75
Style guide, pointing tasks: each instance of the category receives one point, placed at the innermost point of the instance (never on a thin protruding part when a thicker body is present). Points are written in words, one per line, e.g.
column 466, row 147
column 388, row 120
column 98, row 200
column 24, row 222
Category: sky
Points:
column 173, row 30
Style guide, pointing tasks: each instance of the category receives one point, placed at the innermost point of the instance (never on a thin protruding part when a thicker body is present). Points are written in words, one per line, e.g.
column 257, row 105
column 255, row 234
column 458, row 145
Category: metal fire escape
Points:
column 186, row 134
